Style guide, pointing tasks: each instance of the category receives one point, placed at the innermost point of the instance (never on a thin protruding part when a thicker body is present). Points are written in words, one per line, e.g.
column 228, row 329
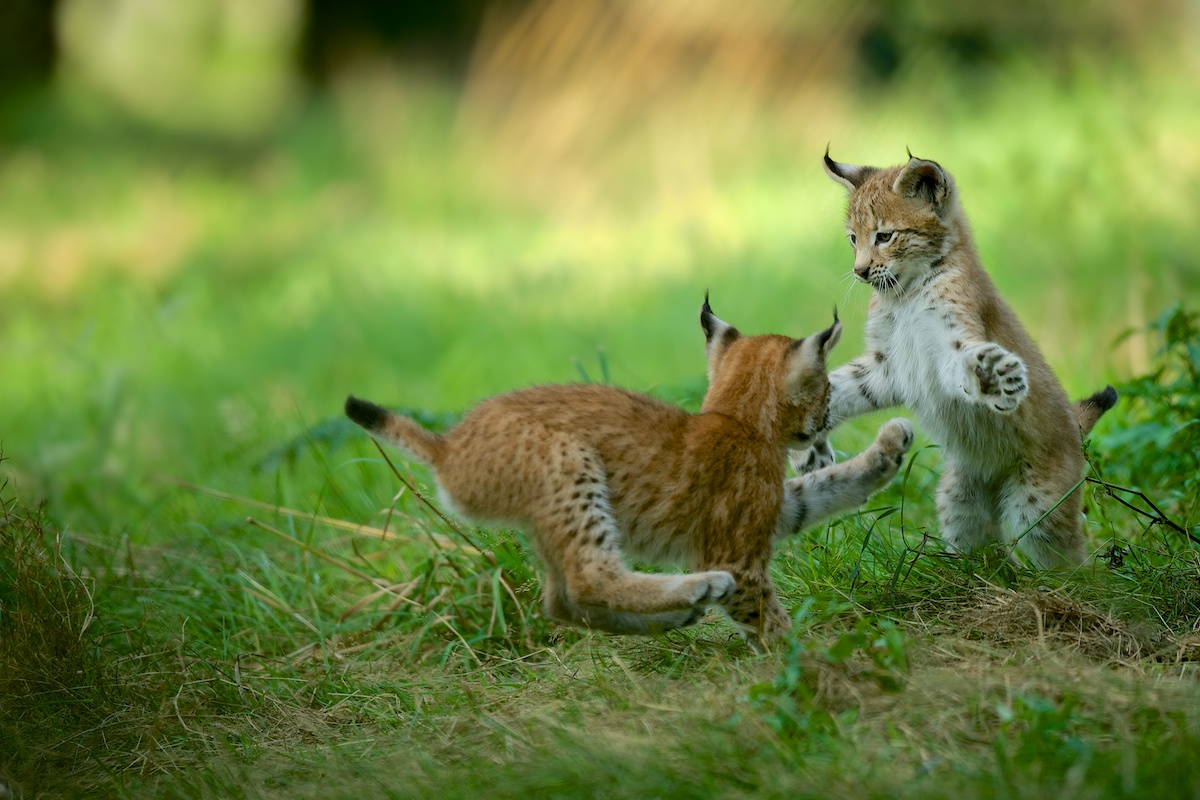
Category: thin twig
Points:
column 1157, row 518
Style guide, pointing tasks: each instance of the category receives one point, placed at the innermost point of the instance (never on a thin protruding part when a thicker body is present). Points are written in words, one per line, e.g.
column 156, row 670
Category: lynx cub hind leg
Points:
column 1056, row 540
column 967, row 509
column 576, row 530
column 994, row 377
column 973, row 512
column 559, row 606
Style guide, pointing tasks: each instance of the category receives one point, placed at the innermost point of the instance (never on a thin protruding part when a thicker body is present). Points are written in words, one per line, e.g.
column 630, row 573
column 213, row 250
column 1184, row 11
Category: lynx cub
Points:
column 597, row 473
column 941, row 341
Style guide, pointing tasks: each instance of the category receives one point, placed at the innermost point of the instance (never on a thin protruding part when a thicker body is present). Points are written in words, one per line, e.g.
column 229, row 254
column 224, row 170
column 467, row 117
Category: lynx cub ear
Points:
column 847, row 175
column 718, row 335
column 829, row 337
column 925, row 180
column 806, row 360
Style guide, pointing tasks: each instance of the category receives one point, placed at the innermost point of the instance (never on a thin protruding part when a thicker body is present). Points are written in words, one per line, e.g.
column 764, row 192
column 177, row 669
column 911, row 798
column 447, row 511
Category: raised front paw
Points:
column 816, row 456
column 884, row 457
column 895, row 438
column 994, row 377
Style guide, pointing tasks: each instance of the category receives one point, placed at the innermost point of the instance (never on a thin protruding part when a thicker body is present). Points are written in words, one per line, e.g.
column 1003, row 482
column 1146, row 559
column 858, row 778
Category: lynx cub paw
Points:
column 895, row 438
column 994, row 377
column 713, row 587
column 818, row 455
column 887, row 453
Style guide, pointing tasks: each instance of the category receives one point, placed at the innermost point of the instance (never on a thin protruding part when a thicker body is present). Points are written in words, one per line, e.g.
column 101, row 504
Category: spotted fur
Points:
column 598, row 474
column 942, row 341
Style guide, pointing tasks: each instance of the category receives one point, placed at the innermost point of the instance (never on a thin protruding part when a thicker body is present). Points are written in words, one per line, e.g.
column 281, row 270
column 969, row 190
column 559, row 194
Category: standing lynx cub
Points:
column 941, row 341
column 597, row 473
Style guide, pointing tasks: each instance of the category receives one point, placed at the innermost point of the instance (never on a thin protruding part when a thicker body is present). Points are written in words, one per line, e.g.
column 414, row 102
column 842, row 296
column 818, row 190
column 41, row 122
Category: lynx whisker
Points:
column 852, row 283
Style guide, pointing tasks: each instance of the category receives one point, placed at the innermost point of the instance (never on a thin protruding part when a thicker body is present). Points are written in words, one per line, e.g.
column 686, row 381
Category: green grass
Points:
column 181, row 325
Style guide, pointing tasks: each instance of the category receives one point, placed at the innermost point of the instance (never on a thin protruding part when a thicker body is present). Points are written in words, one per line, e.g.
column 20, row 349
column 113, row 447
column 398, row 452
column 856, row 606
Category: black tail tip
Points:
column 1105, row 399
column 365, row 413
column 1101, row 401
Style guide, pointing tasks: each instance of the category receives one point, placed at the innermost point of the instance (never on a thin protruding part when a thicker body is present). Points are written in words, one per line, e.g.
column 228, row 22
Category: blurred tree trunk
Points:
column 441, row 33
column 27, row 48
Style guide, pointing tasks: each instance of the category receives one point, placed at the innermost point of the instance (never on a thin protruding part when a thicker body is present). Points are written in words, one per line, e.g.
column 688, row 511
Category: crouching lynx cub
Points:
column 596, row 474
column 941, row 341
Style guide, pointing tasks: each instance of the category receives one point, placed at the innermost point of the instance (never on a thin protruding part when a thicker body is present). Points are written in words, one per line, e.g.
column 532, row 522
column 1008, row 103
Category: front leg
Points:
column 992, row 376
column 755, row 610
column 811, row 498
column 817, row 455
column 860, row 387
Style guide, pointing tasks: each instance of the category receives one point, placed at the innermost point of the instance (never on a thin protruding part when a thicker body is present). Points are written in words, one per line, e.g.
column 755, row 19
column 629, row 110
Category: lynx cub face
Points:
column 942, row 341
column 597, row 473
column 783, row 380
column 901, row 222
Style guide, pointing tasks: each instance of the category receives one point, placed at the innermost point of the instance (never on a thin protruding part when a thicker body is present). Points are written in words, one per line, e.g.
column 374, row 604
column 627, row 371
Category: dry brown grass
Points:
column 574, row 97
column 1053, row 618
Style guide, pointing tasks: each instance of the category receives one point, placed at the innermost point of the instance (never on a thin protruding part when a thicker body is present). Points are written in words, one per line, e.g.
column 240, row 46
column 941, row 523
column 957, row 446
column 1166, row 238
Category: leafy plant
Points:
column 1035, row 728
column 795, row 703
column 1159, row 446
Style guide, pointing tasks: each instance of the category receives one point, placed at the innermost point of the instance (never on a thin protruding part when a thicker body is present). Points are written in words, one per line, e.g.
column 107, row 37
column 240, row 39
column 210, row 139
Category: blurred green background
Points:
column 217, row 218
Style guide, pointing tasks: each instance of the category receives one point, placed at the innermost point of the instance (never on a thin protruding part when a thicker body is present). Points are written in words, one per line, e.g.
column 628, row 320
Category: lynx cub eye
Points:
column 883, row 237
column 853, row 240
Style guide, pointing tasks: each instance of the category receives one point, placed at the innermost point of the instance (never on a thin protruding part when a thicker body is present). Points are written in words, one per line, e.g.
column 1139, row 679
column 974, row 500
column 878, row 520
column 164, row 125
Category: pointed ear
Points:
column 925, row 180
column 806, row 358
column 717, row 333
column 829, row 337
column 847, row 175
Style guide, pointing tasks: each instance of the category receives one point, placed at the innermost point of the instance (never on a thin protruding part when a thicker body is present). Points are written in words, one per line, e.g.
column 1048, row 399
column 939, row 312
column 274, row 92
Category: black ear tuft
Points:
column 708, row 320
column 829, row 337
column 366, row 413
column 848, row 175
column 715, row 329
column 824, row 336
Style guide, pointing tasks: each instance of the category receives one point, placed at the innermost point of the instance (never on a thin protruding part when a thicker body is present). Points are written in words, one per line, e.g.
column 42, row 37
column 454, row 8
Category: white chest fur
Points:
column 922, row 341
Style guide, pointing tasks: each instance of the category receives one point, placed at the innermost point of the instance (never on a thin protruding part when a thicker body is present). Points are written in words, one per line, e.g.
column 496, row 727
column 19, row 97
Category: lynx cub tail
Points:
column 941, row 340
column 597, row 473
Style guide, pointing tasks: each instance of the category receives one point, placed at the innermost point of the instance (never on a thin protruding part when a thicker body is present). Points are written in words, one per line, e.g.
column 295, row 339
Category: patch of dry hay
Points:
column 1051, row 617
